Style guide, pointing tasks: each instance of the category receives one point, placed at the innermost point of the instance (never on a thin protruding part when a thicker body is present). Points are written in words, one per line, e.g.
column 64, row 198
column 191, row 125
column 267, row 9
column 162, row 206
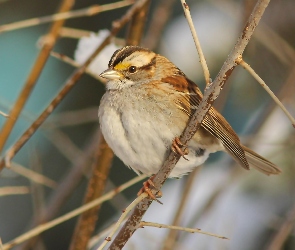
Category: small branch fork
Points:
column 211, row 93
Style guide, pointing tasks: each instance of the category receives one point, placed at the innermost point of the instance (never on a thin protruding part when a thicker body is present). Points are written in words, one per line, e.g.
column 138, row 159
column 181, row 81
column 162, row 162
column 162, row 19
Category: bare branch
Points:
column 41, row 228
column 197, row 42
column 100, row 170
column 14, row 190
column 246, row 66
column 90, row 11
column 137, row 25
column 121, row 219
column 185, row 229
column 211, row 93
column 33, row 176
column 4, row 114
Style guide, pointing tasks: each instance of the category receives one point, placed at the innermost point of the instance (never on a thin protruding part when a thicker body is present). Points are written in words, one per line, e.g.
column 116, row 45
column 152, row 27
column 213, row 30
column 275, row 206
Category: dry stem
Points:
column 49, row 42
column 41, row 228
column 211, row 93
column 197, row 42
column 14, row 190
column 73, row 63
column 121, row 219
column 185, row 229
column 4, row 114
column 137, row 25
column 33, row 176
column 66, row 187
column 90, row 11
column 96, row 185
column 267, row 89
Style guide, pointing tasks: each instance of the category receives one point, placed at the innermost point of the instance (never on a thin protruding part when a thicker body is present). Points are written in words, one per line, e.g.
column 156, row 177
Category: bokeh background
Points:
column 251, row 209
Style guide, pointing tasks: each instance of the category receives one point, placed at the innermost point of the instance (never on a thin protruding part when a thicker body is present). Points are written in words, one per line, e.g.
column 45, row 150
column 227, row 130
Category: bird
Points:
column 147, row 105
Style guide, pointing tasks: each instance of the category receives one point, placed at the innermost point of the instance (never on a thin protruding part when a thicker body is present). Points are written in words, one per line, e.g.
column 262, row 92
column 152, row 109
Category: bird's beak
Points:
column 111, row 74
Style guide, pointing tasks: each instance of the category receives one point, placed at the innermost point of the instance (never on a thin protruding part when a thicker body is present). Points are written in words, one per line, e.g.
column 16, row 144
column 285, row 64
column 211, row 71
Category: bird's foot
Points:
column 147, row 185
column 177, row 148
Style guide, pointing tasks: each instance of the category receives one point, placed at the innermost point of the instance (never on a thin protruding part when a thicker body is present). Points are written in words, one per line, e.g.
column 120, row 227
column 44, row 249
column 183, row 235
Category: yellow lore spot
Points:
column 122, row 66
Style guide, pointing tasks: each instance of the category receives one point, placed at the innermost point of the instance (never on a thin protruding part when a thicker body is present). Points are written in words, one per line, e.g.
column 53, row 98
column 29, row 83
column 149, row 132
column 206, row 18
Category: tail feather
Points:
column 260, row 163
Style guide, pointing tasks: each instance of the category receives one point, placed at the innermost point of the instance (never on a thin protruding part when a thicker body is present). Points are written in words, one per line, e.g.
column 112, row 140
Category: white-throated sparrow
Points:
column 148, row 103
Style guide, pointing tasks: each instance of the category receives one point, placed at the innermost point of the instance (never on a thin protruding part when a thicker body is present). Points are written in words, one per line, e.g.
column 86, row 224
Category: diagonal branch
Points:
column 48, row 43
column 89, row 11
column 211, row 93
column 267, row 89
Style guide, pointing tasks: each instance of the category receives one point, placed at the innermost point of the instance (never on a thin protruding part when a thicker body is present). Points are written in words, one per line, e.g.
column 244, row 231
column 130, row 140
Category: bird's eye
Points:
column 132, row 69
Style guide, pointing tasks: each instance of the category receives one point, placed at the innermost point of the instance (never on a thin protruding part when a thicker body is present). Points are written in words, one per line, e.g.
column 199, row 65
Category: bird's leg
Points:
column 147, row 189
column 176, row 148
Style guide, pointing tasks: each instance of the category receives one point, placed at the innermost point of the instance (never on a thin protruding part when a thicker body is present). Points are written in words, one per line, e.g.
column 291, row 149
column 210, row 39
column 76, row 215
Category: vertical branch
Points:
column 48, row 42
column 86, row 223
column 197, row 42
column 211, row 93
column 156, row 26
column 137, row 24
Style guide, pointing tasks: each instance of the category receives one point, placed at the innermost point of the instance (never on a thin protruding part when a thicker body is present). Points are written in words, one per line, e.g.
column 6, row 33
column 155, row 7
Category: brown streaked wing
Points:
column 214, row 122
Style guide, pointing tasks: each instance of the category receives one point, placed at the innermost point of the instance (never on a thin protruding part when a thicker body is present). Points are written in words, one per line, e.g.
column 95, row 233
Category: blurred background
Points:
column 53, row 169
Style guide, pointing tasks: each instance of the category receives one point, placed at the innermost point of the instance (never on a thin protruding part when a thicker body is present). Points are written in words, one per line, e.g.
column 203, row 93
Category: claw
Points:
column 176, row 148
column 146, row 189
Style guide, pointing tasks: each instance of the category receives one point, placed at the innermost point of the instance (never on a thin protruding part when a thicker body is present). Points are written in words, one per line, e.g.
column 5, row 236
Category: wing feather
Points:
column 188, row 101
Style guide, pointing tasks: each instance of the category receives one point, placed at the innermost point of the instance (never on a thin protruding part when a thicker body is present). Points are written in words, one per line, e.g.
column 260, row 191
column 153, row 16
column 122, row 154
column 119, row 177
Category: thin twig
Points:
column 90, row 11
column 100, row 170
column 41, row 228
column 211, row 93
column 14, row 190
column 246, row 66
column 48, row 43
column 121, row 219
column 74, row 33
column 64, row 144
column 4, row 114
column 69, row 118
column 73, row 63
column 185, row 229
column 33, row 176
column 197, row 42
column 95, row 239
column 117, row 26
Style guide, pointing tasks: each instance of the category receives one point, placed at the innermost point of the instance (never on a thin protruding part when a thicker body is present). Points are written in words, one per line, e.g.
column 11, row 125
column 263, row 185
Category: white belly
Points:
column 141, row 138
